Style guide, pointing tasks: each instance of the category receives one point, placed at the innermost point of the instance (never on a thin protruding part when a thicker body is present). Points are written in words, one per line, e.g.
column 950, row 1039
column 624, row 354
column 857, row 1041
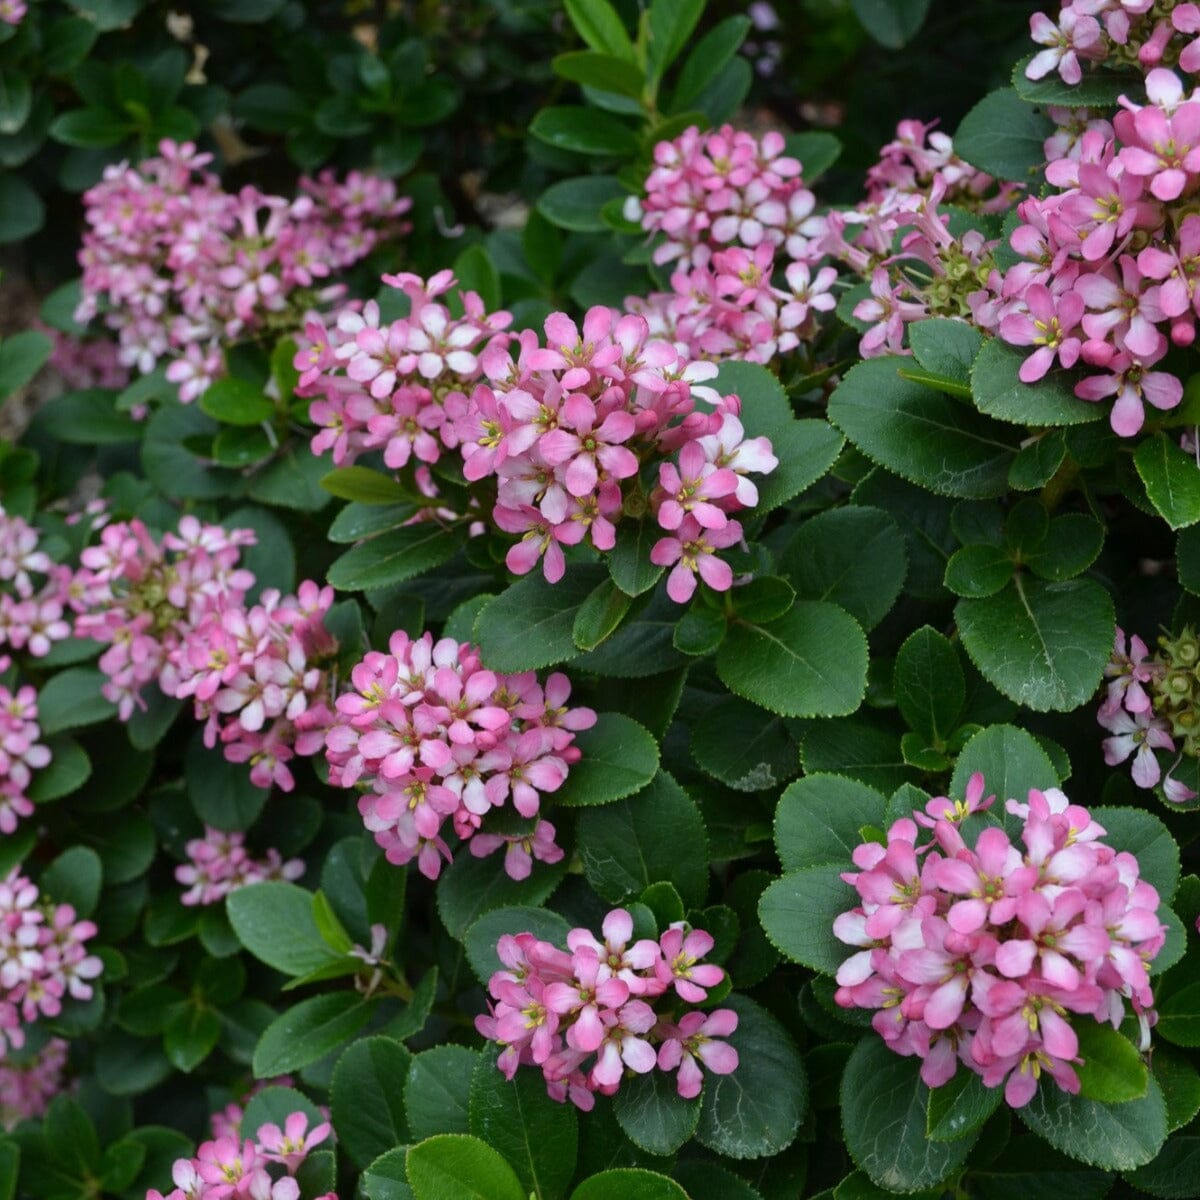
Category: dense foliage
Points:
column 590, row 609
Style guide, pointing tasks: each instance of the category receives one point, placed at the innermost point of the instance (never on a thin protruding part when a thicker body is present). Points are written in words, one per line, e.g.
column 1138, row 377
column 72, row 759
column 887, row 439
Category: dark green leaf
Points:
column 308, row 1031
column 619, row 756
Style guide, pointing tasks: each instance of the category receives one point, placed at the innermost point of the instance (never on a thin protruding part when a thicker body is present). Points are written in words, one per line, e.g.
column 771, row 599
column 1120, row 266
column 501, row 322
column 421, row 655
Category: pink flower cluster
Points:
column 983, row 954
column 143, row 598
column 565, row 429
column 219, row 863
column 262, row 1167
column 31, row 609
column 734, row 210
column 1113, row 256
column 180, row 267
column 612, row 999
column 176, row 612
column 397, row 387
column 28, row 1086
column 1141, row 33
column 12, row 12
column 1144, row 692
column 85, row 362
column 899, row 241
column 20, row 751
column 43, row 957
column 260, row 677
column 437, row 739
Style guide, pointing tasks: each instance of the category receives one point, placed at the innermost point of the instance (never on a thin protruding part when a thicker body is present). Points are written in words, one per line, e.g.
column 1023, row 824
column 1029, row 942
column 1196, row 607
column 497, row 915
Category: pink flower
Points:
column 692, row 550
column 1141, row 733
column 696, row 1037
column 1050, row 324
column 291, row 1145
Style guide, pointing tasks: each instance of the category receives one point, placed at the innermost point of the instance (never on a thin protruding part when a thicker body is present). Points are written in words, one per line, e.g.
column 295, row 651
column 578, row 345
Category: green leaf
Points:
column 852, row 556
column 763, row 598
column 393, row 557
column 22, row 212
column 86, row 418
column 705, row 61
column 584, row 130
column 536, row 1136
column 929, row 684
column 221, row 792
column 1174, row 1171
column 671, row 24
column 575, row 204
column 1044, row 645
column 1011, row 762
column 817, row 150
column 91, row 128
column 22, row 356
column 997, row 390
column 755, row 1111
column 600, row 615
column 652, row 837
column 531, row 624
column 1180, row 1083
column 1144, row 836
column 629, row 560
column 819, row 817
column 273, row 1105
column 884, row 1106
column 74, row 878
column 438, row 1089
column 629, row 1183
column 386, row 1178
column 1179, row 1016
column 797, row 914
column 234, row 401
column 459, row 1167
column 805, row 449
column 364, row 519
column 1072, row 543
column 619, row 756
column 367, row 1098
column 920, row 434
column 69, row 769
column 1116, row 1137
column 190, row 1035
column 1004, row 136
column 1112, row 1069
column 1037, row 461
column 891, row 23
column 976, row 572
column 810, row 662
column 471, row 886
column 365, row 486
column 308, row 1031
column 292, row 481
column 597, row 22
column 1171, row 478
column 274, row 921
column 72, row 699
column 1097, row 89
column 477, row 272
column 960, row 1107
column 946, row 348
column 171, row 466
column 743, row 747
column 480, row 940
column 653, row 1115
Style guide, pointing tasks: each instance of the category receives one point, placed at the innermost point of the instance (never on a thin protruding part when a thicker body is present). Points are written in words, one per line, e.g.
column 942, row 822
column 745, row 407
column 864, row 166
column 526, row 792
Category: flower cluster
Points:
column 86, row 362
column 20, row 751
column 262, row 1167
column 565, row 429
column 43, row 957
column 33, row 590
column 12, row 12
column 28, row 1085
column 1151, row 701
column 219, row 863
column 144, row 597
column 982, row 954
column 901, row 242
column 179, row 266
column 734, row 210
column 395, row 387
column 1138, row 33
column 259, row 678
column 437, row 738
column 1112, row 256
column 176, row 612
column 613, row 998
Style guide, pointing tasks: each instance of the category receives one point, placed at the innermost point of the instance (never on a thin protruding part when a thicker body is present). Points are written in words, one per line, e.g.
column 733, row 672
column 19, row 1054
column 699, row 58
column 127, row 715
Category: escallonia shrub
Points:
column 646, row 654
